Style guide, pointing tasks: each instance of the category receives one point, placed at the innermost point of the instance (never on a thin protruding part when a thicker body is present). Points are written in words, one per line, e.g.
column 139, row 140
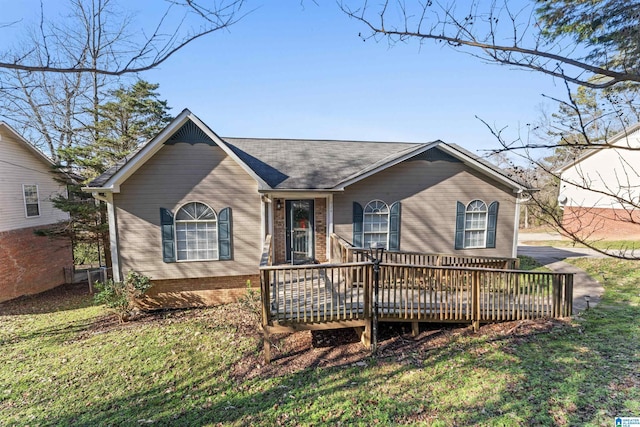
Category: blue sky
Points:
column 293, row 70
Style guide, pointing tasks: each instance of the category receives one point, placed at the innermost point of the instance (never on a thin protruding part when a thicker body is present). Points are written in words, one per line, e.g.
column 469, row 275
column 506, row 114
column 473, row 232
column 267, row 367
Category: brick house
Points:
column 192, row 210
column 595, row 186
column 28, row 263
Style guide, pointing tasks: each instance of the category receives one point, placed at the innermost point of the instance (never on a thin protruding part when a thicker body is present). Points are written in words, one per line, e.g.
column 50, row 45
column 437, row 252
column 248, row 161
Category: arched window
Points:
column 376, row 223
column 475, row 225
column 196, row 233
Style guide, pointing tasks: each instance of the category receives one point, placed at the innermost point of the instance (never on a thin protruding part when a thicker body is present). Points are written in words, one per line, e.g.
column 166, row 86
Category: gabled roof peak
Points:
column 289, row 164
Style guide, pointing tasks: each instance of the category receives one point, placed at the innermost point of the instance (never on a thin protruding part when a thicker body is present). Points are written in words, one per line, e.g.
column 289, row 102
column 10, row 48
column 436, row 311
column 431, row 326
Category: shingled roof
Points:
column 314, row 164
column 289, row 164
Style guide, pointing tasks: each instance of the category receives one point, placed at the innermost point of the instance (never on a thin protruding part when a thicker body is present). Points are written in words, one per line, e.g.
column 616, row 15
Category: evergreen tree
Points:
column 129, row 117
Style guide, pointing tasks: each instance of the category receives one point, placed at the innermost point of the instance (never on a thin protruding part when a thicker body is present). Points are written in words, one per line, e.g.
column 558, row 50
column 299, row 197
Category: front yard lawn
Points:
column 67, row 362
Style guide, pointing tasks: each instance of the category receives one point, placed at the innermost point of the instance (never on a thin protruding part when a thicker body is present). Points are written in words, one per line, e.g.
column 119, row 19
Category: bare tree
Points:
column 593, row 47
column 53, row 85
column 492, row 31
column 551, row 152
column 182, row 22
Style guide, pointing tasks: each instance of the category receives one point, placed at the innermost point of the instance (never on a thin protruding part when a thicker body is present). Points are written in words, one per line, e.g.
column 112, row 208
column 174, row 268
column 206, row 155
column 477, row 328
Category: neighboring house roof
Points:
column 37, row 153
column 590, row 150
column 292, row 164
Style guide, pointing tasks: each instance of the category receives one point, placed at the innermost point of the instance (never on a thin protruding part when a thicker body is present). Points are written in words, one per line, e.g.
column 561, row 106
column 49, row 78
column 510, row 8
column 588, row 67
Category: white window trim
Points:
column 24, row 199
column 484, row 230
column 364, row 215
column 175, row 222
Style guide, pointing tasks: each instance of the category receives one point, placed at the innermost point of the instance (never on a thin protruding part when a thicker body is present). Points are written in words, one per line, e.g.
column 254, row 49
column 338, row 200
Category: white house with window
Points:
column 599, row 190
column 30, row 263
column 192, row 209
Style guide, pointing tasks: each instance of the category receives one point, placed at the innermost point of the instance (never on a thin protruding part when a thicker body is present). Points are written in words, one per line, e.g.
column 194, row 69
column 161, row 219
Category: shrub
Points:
column 251, row 302
column 120, row 297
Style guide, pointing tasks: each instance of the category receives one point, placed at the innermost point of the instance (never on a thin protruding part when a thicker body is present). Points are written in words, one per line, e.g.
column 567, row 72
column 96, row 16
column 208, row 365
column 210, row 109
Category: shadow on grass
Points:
column 574, row 375
column 61, row 298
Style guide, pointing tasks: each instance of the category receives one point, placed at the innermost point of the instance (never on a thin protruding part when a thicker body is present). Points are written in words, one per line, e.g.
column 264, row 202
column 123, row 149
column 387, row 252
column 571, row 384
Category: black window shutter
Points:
column 168, row 239
column 460, row 212
column 394, row 226
column 357, row 224
column 224, row 234
column 492, row 221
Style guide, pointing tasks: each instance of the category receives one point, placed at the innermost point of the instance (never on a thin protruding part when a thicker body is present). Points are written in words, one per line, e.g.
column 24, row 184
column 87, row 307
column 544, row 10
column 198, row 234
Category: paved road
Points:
column 553, row 258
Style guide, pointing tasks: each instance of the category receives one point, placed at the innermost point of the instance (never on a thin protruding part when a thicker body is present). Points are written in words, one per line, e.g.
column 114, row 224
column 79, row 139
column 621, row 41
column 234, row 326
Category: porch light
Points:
column 278, row 204
column 587, row 298
column 375, row 251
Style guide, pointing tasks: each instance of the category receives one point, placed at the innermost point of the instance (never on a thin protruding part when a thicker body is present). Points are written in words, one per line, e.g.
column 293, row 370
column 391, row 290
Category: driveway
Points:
column 553, row 258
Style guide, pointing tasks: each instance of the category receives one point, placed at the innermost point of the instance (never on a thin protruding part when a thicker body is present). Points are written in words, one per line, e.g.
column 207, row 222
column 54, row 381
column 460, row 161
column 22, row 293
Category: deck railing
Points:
column 341, row 293
column 343, row 251
column 326, row 293
column 467, row 294
column 316, row 293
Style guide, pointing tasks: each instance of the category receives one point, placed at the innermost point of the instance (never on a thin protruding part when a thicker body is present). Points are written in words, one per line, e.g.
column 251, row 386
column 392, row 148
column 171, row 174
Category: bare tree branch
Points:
column 480, row 32
column 146, row 54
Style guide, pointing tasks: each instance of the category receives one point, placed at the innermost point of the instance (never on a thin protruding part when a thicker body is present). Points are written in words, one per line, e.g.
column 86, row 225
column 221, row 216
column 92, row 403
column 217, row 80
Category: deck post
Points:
column 556, row 306
column 475, row 309
column 376, row 287
column 365, row 333
column 415, row 328
column 376, row 252
column 568, row 295
column 266, row 345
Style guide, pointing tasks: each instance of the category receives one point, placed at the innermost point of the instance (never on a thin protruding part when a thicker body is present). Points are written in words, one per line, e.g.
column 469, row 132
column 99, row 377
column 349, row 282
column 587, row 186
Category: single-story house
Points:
column 29, row 262
column 597, row 187
column 192, row 210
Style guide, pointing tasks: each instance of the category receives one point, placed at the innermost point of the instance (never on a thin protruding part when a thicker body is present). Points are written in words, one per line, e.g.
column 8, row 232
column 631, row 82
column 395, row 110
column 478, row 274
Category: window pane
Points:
column 32, row 210
column 31, row 200
column 474, row 239
column 376, row 223
column 196, row 233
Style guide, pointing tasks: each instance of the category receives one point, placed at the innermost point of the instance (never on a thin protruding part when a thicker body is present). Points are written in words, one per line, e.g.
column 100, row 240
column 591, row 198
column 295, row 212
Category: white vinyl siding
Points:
column 19, row 166
column 605, row 179
column 31, row 200
column 196, row 233
column 376, row 224
column 475, row 225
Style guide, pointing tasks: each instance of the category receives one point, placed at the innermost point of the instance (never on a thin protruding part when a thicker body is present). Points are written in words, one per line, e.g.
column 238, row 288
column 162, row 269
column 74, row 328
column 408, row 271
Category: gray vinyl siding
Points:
column 18, row 166
column 428, row 188
column 175, row 175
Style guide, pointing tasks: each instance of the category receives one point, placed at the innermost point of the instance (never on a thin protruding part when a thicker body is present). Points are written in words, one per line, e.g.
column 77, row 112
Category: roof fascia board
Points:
column 475, row 164
column 39, row 154
column 297, row 193
column 625, row 133
column 367, row 173
column 113, row 184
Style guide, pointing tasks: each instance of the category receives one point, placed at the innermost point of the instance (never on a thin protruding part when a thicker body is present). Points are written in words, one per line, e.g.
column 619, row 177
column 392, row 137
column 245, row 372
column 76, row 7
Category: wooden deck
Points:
column 342, row 294
column 326, row 293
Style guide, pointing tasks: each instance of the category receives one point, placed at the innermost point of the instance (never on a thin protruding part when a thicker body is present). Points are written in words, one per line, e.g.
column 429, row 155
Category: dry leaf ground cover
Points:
column 66, row 362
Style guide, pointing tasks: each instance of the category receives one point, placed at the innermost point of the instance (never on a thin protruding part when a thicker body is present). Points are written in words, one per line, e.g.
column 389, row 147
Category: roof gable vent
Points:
column 191, row 134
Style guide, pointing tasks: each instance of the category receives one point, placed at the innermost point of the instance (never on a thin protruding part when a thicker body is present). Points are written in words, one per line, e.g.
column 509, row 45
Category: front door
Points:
column 299, row 236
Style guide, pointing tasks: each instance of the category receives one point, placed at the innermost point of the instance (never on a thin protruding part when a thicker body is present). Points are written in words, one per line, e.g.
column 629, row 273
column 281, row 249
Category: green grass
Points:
column 626, row 245
column 71, row 365
column 528, row 263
